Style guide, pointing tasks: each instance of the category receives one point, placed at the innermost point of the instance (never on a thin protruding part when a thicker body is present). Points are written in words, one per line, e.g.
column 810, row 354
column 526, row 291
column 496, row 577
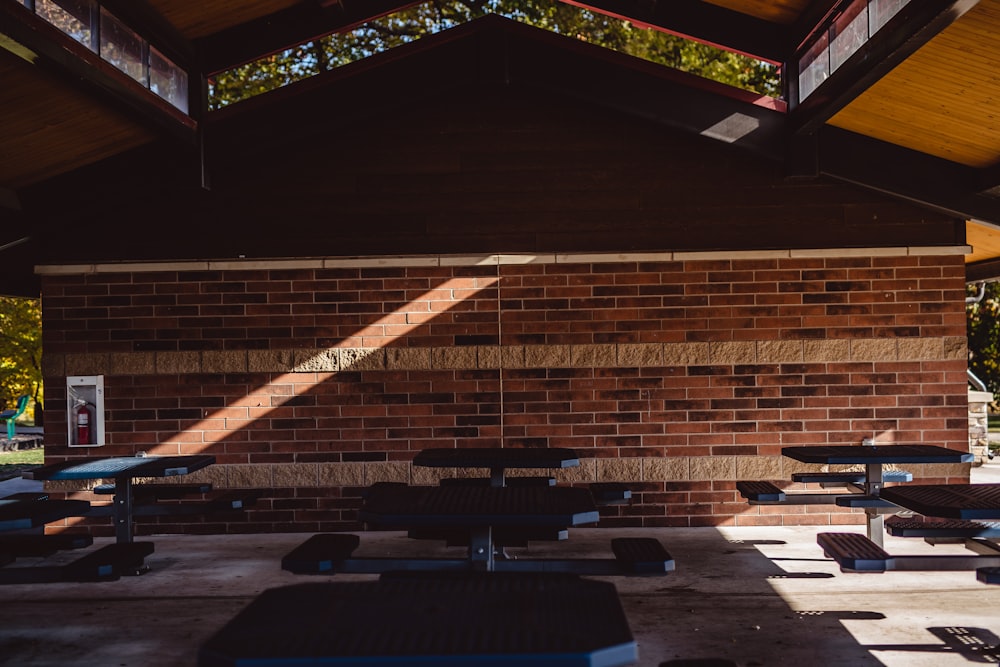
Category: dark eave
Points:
column 915, row 25
column 878, row 165
column 38, row 42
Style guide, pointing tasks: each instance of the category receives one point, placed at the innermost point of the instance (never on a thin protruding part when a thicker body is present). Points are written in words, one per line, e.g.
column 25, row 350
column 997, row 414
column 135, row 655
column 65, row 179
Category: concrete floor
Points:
column 753, row 596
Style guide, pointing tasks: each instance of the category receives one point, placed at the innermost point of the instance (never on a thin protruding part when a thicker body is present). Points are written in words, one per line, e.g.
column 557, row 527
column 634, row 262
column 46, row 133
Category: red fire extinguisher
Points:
column 84, row 416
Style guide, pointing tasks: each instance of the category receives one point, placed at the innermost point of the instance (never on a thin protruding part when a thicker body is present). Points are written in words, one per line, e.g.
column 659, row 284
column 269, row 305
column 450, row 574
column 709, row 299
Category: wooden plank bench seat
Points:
column 108, row 563
column 641, row 555
column 853, row 552
column 320, row 553
column 842, row 478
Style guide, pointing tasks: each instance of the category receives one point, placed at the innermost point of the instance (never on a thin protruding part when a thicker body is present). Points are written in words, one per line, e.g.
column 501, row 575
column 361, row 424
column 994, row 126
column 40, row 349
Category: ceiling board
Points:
column 942, row 99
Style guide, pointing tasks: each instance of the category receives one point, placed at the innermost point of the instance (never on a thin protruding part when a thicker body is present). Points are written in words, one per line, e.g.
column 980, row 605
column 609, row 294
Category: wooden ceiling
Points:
column 912, row 115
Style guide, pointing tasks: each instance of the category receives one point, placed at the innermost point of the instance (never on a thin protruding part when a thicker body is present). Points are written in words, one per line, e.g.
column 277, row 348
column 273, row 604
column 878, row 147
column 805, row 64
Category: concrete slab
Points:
column 754, row 596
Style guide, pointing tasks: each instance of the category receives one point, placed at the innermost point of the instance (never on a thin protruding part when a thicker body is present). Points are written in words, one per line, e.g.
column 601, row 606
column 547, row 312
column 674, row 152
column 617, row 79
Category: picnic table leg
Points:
column 481, row 549
column 122, row 512
column 873, row 487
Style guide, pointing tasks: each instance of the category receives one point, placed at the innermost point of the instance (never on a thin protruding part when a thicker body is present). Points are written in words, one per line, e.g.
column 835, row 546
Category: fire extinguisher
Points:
column 84, row 418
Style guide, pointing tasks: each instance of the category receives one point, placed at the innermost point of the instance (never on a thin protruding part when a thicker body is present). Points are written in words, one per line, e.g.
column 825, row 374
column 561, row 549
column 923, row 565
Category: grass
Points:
column 12, row 464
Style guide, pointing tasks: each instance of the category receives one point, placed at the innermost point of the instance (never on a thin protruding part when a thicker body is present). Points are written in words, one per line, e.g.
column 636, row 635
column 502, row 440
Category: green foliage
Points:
column 435, row 16
column 983, row 320
column 20, row 350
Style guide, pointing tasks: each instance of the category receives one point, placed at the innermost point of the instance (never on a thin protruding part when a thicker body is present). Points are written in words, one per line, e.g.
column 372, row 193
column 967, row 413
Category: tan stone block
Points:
column 669, row 469
column 178, row 362
column 956, row 347
column 759, row 467
column 512, row 356
column 285, row 475
column 424, row 476
column 790, row 466
column 779, row 351
column 407, row 358
column 224, row 361
column 317, row 360
column 362, row 359
column 133, row 363
column 87, row 364
column 387, row 471
column 245, row 475
column 216, row 475
column 593, row 356
column 640, row 354
column 871, row 349
column 619, row 470
column 584, row 473
column 920, row 349
column 454, row 357
column 488, row 356
column 733, row 352
column 713, row 467
column 685, row 354
column 826, row 350
column 270, row 361
column 547, row 356
column 341, row 474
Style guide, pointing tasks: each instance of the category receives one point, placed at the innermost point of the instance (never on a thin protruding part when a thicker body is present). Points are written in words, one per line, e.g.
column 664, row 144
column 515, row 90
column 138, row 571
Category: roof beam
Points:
column 931, row 181
column 702, row 21
column 295, row 25
column 33, row 38
column 915, row 25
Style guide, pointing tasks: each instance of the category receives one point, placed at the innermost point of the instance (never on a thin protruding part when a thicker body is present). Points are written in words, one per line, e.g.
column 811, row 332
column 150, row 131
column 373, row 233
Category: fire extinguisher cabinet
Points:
column 85, row 410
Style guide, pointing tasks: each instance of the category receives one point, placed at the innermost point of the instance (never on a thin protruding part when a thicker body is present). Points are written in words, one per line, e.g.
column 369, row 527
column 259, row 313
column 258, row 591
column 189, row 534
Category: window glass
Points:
column 168, row 80
column 122, row 47
column 73, row 17
column 883, row 10
column 814, row 67
column 850, row 32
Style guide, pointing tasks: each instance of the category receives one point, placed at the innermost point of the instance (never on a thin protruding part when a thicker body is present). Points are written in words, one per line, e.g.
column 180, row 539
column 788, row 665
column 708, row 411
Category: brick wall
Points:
column 678, row 373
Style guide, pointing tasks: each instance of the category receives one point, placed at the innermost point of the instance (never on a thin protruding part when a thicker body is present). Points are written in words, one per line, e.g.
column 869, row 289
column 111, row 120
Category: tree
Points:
column 435, row 16
column 983, row 327
column 20, row 349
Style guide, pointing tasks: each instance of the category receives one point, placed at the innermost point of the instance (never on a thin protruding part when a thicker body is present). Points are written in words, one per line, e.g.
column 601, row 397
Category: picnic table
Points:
column 469, row 620
column 124, row 470
column 481, row 512
column 865, row 488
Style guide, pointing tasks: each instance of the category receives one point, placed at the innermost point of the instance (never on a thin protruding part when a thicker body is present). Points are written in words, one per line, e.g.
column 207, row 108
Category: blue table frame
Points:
column 123, row 469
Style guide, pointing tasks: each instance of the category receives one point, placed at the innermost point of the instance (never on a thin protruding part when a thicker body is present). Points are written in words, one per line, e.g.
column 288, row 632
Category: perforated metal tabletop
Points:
column 458, row 620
